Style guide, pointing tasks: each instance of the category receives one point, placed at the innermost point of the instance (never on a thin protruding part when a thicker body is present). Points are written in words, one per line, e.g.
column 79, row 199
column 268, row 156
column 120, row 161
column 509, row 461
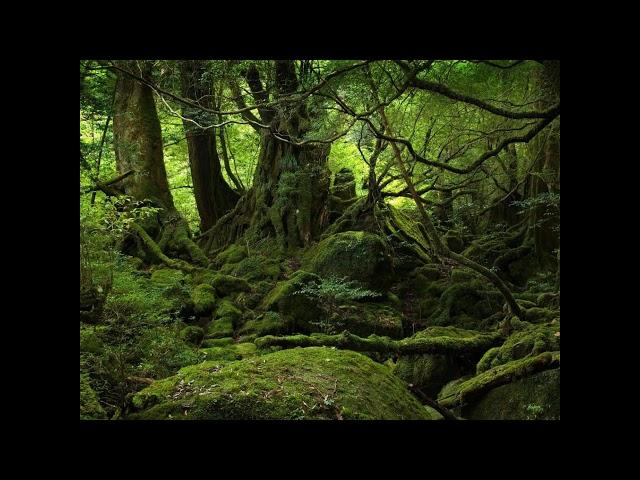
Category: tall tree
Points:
column 139, row 159
column 214, row 197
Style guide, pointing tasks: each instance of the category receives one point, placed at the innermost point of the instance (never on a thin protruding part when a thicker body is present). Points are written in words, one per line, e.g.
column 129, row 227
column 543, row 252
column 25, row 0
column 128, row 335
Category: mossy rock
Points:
column 466, row 304
column 229, row 310
column 430, row 272
column 217, row 342
column 254, row 268
column 297, row 308
column 204, row 299
column 454, row 241
column 230, row 352
column 359, row 256
column 462, row 275
column 536, row 397
column 167, row 277
column 548, row 300
column 269, row 323
column 301, row 383
column 192, row 335
column 232, row 254
column 431, row 372
column 90, row 408
column 529, row 341
column 220, row 328
column 227, row 285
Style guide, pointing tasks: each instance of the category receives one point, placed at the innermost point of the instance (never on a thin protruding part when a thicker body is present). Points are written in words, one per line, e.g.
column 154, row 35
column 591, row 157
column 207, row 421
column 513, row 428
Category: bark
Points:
column 214, row 197
column 288, row 199
column 138, row 149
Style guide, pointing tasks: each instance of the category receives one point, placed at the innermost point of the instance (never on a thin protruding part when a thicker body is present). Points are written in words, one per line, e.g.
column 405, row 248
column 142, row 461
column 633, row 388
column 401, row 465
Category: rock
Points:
column 359, row 256
column 204, row 299
column 295, row 307
column 192, row 335
column 227, row 285
column 536, row 397
column 301, row 383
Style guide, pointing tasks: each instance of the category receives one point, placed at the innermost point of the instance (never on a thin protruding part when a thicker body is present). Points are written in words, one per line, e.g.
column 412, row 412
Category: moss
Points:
column 231, row 351
column 525, row 304
column 431, row 372
column 255, row 267
column 536, row 397
column 90, row 408
column 309, row 383
column 269, row 323
column 217, row 342
column 90, row 341
column 465, row 304
column 227, row 309
column 192, row 335
column 462, row 275
column 204, row 299
column 294, row 307
column 359, row 256
column 530, row 341
column 232, row 254
column 167, row 277
column 468, row 392
column 365, row 319
column 537, row 315
column 227, row 285
column 220, row 328
column 454, row 241
column 548, row 300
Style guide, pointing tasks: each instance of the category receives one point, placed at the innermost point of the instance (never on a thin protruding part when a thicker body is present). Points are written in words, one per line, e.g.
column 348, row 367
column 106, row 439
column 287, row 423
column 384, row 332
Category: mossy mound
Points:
column 204, row 299
column 293, row 306
column 529, row 341
column 232, row 254
column 465, row 304
column 532, row 398
column 540, row 315
column 431, row 372
column 167, row 277
column 227, row 285
column 269, row 323
column 230, row 352
column 302, row 383
column 90, row 408
column 192, row 335
column 254, row 268
column 359, row 256
column 90, row 341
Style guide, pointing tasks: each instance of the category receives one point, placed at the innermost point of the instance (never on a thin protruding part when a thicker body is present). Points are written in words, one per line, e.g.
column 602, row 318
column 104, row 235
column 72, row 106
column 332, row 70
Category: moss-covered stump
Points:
column 90, row 408
column 532, row 398
column 529, row 341
column 284, row 298
column 309, row 383
column 430, row 372
column 359, row 256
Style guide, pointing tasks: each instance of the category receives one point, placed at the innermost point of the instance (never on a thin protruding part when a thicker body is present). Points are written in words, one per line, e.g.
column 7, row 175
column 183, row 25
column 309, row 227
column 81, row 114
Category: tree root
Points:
column 501, row 375
column 157, row 251
column 375, row 343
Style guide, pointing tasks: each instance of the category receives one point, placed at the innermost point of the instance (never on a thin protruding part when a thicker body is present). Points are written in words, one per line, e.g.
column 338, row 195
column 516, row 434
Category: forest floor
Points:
column 357, row 326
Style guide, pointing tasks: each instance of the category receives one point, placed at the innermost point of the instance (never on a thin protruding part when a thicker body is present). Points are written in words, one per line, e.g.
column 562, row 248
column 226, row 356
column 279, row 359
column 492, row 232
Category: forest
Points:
column 320, row 239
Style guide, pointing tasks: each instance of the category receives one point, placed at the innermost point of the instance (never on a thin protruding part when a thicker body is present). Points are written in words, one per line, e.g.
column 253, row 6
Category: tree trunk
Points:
column 288, row 199
column 138, row 148
column 214, row 197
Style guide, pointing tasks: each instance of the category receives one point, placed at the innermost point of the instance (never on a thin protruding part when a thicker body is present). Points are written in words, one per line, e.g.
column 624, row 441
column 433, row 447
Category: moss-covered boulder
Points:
column 232, row 254
column 297, row 308
column 465, row 304
column 431, row 372
column 529, row 341
column 227, row 285
column 302, row 383
column 204, row 299
column 540, row 315
column 192, row 334
column 359, row 256
column 536, row 397
column 90, row 408
column 231, row 351
column 167, row 277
